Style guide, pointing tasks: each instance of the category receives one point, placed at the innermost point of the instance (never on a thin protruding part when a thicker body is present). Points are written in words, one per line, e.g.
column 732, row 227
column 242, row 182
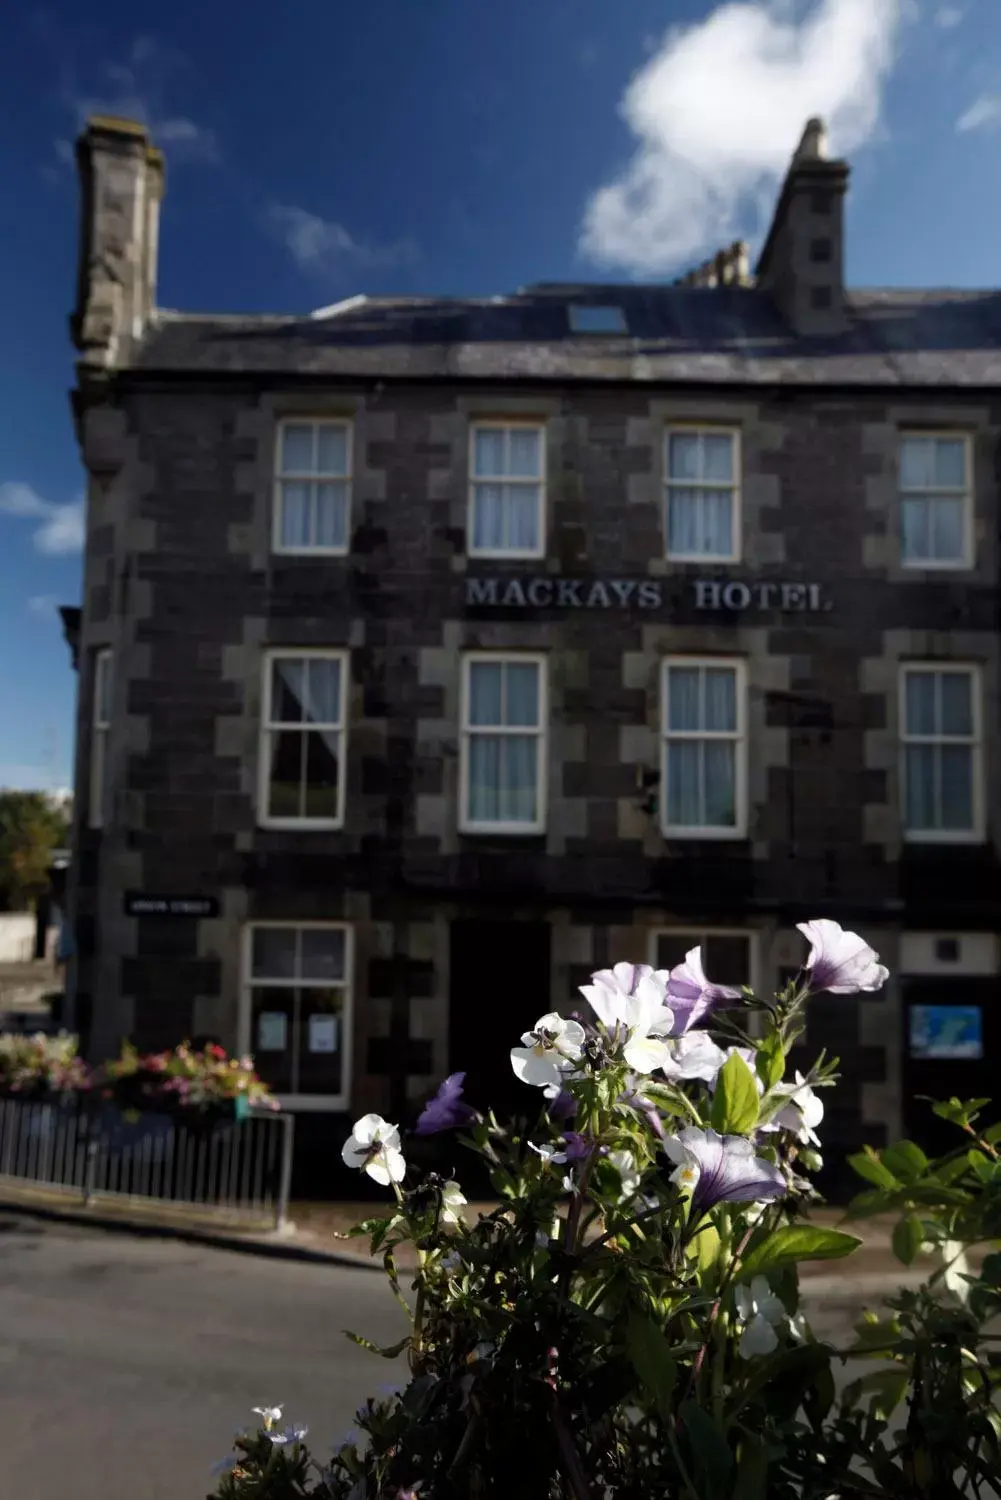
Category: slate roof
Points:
column 694, row 335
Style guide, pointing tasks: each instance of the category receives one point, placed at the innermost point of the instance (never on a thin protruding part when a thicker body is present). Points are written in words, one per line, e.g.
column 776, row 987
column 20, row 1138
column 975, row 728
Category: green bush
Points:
column 627, row 1323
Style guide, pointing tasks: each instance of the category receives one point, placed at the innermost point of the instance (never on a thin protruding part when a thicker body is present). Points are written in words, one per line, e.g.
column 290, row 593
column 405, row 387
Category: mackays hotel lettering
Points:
column 488, row 591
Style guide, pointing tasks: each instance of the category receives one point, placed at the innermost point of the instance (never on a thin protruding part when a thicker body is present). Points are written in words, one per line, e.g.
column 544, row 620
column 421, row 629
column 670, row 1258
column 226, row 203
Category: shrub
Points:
column 627, row 1322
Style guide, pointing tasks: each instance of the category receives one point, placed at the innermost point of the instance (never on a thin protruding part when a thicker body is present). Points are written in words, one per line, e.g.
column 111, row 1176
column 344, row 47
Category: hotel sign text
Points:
column 639, row 593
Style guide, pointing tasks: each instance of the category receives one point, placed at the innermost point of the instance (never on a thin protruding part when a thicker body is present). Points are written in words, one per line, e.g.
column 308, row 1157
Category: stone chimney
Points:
column 802, row 263
column 121, row 183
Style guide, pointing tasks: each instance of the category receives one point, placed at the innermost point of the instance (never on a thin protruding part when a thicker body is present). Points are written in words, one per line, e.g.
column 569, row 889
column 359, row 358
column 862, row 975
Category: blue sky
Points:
column 447, row 146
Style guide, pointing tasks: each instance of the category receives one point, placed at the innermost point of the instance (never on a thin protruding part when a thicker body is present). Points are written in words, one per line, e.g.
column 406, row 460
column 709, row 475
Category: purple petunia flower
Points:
column 447, row 1110
column 691, row 996
column 840, row 961
column 563, row 1105
column 577, row 1146
column 721, row 1169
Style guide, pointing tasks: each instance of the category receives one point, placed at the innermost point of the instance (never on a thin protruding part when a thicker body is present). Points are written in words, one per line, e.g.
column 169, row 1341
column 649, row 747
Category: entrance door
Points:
column 499, row 987
column 952, row 1033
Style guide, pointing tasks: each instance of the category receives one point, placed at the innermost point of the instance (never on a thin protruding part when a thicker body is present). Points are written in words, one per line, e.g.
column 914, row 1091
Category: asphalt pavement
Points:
column 126, row 1364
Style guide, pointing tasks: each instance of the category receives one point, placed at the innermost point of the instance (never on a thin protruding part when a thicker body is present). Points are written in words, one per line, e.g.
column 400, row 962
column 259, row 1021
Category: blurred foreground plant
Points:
column 627, row 1322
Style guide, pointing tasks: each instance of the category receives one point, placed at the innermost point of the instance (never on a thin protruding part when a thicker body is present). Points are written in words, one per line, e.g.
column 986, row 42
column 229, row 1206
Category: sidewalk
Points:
column 311, row 1235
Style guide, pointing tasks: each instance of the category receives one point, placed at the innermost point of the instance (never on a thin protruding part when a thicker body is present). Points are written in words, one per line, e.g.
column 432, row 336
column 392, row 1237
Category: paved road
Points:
column 126, row 1364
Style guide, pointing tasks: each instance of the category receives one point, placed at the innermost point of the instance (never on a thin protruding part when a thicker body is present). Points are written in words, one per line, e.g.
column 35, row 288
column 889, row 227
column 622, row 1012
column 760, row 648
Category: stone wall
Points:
column 180, row 580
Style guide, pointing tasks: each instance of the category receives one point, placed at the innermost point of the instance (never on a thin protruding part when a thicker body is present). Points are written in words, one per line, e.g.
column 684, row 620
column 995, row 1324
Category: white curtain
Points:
column 331, row 527
column 946, row 527
column 700, row 522
column 920, row 715
column 488, row 517
column 919, row 777
column 502, row 778
column 295, row 513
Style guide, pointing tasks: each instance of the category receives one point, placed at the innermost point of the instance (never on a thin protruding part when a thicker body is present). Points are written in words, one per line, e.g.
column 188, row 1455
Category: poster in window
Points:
column 323, row 1033
column 272, row 1031
column 947, row 1031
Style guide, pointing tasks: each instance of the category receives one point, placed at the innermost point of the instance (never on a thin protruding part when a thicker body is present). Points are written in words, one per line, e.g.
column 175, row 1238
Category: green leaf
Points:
column 908, row 1237
column 905, row 1160
column 876, row 1336
column 735, row 1102
column 752, row 1470
column 886, row 1388
column 389, row 1352
column 650, row 1352
column 982, row 1165
column 868, row 1165
column 704, row 1248
column 770, row 1061
column 710, row 1449
column 795, row 1242
column 957, row 1111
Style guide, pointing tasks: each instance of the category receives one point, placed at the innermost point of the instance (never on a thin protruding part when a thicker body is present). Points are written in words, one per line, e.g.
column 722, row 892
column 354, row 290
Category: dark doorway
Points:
column 952, row 1036
column 499, row 987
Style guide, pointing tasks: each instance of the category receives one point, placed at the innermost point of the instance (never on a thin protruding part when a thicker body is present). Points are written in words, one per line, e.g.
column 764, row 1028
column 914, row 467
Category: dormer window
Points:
column 588, row 319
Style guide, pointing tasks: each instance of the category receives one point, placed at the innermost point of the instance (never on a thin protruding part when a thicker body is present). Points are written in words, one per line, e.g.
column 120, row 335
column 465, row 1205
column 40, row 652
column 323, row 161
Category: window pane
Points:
column 683, row 782
column 957, row 703
column 947, row 528
column 323, row 953
column 323, row 696
column 522, row 703
column 727, row 960
column 488, row 517
column 285, row 773
column 717, row 523
column 915, row 539
column 488, row 451
column 683, row 698
column 956, row 769
column 720, row 712
column 322, row 774
column 683, row 455
column 720, row 784
column 919, row 713
column 288, row 690
column 672, row 947
column 950, row 463
column 683, row 522
column 295, row 514
column 320, row 1039
column 484, row 692
column 919, row 782
column 273, row 952
column 917, row 463
column 717, row 457
column 519, row 763
column 484, row 778
column 525, row 453
column 522, row 504
column 297, row 448
column 331, row 450
column 272, row 1015
column 332, row 514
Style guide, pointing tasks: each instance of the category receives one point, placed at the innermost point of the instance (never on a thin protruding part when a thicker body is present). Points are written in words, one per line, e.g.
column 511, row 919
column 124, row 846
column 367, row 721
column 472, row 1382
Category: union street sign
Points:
column 137, row 904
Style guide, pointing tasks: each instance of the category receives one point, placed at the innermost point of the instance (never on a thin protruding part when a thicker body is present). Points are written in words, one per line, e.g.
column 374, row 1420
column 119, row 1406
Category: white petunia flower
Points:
column 452, row 1203
column 549, row 1051
column 290, row 1435
column 631, row 997
column 269, row 1415
column 803, row 1113
column 693, row 1055
column 374, row 1147
column 761, row 1312
column 625, row 1164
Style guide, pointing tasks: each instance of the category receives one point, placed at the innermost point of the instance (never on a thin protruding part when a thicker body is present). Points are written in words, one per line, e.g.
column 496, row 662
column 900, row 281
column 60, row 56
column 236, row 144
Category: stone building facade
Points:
column 624, row 618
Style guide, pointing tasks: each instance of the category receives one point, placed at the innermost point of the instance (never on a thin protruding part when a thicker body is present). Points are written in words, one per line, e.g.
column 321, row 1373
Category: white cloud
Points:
column 948, row 17
column 43, row 604
column 134, row 90
column 983, row 114
column 716, row 113
column 62, row 526
column 322, row 245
